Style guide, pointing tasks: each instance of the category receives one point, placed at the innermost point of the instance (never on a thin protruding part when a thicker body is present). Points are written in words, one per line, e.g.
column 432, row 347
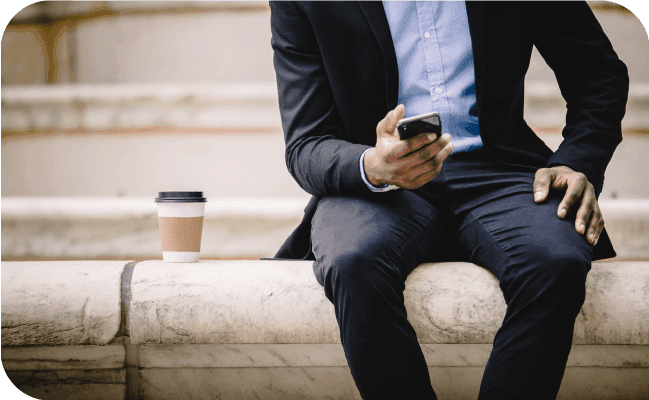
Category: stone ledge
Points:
column 278, row 302
column 186, row 318
column 105, row 227
column 281, row 302
column 84, row 357
column 167, row 356
column 60, row 302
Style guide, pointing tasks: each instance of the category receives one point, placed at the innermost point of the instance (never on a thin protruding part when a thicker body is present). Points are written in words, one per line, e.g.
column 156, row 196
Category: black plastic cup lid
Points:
column 180, row 197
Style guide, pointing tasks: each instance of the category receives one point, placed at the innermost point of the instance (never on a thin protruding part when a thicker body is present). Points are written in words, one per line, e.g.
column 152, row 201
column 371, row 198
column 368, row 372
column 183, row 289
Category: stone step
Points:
column 78, row 228
column 250, row 329
column 238, row 163
column 254, row 104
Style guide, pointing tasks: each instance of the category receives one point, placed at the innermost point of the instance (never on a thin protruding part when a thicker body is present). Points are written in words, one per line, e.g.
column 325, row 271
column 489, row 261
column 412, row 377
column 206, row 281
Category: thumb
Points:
column 389, row 124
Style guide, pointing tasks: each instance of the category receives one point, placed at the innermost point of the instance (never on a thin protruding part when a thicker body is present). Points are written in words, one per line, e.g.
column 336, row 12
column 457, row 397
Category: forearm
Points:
column 592, row 79
column 326, row 165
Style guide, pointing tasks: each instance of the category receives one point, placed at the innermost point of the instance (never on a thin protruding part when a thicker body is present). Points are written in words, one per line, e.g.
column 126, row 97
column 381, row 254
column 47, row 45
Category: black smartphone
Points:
column 425, row 123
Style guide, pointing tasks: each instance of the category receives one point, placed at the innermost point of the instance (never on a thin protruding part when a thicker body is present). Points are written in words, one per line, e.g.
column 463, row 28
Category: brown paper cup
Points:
column 181, row 226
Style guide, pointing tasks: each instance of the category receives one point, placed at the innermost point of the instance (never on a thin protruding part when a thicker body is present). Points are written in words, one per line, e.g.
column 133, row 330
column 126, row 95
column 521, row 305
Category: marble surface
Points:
column 616, row 308
column 77, row 384
column 332, row 355
column 60, row 302
column 579, row 383
column 84, row 391
column 63, row 357
column 281, row 302
column 454, row 303
column 241, row 355
column 594, row 383
column 229, row 302
column 290, row 383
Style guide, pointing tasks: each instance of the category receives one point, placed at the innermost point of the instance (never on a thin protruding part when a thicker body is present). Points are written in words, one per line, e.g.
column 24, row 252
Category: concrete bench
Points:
column 264, row 329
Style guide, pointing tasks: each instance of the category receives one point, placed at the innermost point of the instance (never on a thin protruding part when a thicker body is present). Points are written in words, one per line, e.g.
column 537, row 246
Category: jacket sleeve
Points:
column 593, row 81
column 317, row 154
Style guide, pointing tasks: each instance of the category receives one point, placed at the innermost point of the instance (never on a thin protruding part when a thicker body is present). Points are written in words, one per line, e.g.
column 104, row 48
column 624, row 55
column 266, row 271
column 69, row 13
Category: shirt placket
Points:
column 433, row 56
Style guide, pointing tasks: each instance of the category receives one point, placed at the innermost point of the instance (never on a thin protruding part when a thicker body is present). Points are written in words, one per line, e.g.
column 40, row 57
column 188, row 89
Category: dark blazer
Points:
column 337, row 77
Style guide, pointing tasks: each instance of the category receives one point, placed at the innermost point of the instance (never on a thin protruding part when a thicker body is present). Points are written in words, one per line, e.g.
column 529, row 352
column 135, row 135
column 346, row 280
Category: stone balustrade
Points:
column 264, row 329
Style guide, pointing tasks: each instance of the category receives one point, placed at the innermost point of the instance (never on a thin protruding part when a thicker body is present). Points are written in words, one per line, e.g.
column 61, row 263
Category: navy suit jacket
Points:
column 337, row 77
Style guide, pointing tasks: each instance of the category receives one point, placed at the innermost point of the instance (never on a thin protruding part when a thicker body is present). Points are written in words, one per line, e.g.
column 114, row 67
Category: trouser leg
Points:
column 365, row 248
column 541, row 263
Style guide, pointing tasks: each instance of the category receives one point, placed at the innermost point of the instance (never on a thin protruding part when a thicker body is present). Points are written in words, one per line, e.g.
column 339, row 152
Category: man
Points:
column 347, row 72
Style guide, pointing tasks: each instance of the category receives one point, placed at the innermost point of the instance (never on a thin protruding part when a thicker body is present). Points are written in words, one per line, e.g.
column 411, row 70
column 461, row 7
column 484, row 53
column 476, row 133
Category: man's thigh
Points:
column 504, row 228
column 400, row 228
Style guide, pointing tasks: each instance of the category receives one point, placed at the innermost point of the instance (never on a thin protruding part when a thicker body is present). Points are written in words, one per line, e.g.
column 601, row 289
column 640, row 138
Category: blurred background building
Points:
column 106, row 103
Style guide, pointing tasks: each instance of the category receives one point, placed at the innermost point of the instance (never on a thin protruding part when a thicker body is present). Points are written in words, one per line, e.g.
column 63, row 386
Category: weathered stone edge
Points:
column 123, row 332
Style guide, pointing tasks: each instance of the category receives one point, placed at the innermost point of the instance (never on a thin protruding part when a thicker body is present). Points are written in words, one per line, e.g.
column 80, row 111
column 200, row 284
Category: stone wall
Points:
column 264, row 329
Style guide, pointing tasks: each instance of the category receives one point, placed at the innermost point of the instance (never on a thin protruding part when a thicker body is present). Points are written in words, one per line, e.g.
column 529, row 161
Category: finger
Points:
column 585, row 210
column 574, row 192
column 405, row 147
column 435, row 163
column 541, row 187
column 425, row 178
column 394, row 117
column 416, row 142
column 429, row 171
column 595, row 226
column 445, row 152
column 600, row 228
column 388, row 125
column 422, row 154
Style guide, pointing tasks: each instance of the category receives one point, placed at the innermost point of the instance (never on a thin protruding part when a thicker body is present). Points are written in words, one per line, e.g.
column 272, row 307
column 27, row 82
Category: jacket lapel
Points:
column 475, row 14
column 375, row 15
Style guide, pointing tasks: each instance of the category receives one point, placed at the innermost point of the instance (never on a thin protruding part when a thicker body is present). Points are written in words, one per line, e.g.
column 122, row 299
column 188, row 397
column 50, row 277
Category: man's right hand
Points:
column 408, row 164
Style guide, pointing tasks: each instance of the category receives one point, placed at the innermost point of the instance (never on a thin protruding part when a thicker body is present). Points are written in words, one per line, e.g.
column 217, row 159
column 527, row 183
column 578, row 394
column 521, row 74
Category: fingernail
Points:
column 582, row 228
column 538, row 196
column 592, row 237
column 562, row 213
column 432, row 137
column 595, row 242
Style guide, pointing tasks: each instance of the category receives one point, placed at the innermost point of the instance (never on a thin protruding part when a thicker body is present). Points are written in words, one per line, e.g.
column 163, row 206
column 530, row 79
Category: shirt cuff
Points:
column 371, row 187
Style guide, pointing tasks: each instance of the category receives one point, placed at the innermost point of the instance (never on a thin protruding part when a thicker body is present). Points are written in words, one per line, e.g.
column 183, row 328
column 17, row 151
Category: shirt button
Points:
column 439, row 90
column 427, row 35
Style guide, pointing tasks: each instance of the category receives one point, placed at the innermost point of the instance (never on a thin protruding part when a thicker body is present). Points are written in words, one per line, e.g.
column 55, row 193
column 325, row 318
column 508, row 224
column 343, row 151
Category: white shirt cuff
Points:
column 373, row 188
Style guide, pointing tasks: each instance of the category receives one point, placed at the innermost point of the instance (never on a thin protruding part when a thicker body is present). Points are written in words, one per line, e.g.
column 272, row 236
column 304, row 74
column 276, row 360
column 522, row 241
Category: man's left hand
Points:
column 579, row 191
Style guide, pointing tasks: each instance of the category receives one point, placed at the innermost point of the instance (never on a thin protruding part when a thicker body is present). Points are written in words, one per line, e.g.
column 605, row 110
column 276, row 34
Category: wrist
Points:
column 370, row 166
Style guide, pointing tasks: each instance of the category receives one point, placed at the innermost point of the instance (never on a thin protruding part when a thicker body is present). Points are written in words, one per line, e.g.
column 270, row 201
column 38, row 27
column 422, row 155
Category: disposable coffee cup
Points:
column 181, row 225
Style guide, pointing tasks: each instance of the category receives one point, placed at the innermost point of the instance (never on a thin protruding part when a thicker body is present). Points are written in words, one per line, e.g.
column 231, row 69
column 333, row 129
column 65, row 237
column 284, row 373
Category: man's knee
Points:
column 562, row 260
column 356, row 270
column 557, row 274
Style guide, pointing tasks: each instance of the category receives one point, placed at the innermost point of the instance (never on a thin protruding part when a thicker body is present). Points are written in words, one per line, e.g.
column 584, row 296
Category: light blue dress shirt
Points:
column 433, row 48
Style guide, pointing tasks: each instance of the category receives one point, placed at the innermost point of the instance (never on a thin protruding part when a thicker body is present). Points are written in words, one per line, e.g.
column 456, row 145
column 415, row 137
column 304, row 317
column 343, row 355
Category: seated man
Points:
column 488, row 191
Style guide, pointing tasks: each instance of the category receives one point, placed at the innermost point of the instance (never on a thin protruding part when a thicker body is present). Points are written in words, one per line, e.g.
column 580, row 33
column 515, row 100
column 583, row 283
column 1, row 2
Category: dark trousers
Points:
column 365, row 247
